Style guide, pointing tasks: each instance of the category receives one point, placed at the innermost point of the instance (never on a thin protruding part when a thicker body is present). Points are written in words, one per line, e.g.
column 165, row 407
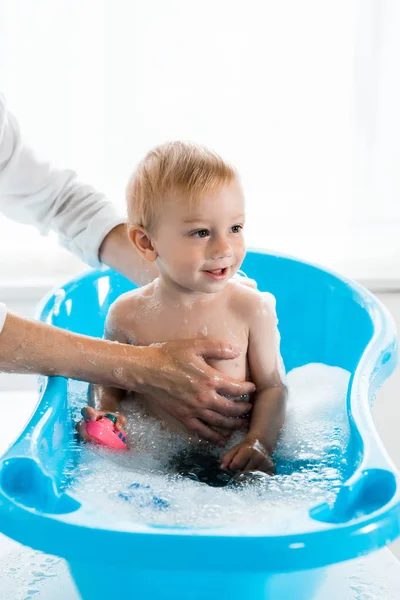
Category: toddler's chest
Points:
column 214, row 325
column 220, row 326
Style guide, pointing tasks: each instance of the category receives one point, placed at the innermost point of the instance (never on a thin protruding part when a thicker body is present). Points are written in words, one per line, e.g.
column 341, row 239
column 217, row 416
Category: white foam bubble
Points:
column 316, row 419
column 137, row 485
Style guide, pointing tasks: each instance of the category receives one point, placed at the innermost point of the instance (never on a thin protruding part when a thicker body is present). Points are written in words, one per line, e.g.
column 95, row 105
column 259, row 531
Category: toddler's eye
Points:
column 201, row 233
column 236, row 228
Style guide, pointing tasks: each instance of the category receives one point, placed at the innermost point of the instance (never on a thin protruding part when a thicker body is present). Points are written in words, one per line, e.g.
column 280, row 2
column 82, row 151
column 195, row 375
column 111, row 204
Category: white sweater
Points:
column 33, row 192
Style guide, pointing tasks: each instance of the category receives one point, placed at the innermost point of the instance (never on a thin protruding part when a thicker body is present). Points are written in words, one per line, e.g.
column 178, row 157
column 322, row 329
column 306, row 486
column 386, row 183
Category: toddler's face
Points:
column 201, row 248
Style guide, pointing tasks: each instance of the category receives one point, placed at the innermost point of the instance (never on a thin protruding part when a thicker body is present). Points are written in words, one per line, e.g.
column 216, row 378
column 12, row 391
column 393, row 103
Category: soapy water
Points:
column 314, row 436
column 138, row 486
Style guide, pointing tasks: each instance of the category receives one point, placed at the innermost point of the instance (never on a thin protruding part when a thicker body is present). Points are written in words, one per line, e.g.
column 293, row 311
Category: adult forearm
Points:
column 28, row 346
column 174, row 372
column 117, row 252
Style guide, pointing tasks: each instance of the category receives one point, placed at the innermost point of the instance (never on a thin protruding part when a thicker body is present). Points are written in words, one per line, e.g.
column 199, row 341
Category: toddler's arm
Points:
column 267, row 416
column 105, row 399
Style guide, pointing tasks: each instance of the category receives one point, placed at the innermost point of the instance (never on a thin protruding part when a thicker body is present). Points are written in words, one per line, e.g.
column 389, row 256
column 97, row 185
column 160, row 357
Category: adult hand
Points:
column 117, row 252
column 177, row 376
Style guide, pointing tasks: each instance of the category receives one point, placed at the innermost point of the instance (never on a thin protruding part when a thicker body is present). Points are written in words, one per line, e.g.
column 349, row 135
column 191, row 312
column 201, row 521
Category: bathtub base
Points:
column 96, row 584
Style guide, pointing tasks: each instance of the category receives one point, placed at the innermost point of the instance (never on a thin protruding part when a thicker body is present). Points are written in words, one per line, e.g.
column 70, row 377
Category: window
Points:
column 286, row 90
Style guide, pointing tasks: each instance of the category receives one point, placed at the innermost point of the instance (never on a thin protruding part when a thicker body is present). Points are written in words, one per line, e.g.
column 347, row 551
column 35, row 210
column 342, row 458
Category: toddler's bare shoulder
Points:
column 249, row 301
column 127, row 307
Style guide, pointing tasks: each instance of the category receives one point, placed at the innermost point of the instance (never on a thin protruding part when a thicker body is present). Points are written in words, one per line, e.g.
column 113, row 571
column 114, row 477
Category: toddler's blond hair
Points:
column 173, row 168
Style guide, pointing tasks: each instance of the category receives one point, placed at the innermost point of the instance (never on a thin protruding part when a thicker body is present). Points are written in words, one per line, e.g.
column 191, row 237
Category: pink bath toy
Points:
column 105, row 433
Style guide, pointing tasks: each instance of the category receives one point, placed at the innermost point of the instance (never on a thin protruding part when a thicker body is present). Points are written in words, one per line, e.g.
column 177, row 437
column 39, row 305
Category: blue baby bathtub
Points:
column 323, row 318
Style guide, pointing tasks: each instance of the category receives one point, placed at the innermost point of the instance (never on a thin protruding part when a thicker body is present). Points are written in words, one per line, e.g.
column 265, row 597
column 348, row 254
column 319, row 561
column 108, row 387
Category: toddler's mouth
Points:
column 217, row 274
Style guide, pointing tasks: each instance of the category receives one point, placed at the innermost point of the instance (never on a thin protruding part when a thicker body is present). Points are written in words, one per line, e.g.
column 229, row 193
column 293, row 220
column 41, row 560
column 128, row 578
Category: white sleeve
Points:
column 3, row 314
column 33, row 192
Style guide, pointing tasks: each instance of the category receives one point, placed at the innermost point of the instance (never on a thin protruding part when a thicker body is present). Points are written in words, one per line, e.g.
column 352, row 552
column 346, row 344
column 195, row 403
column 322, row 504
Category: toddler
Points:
column 186, row 214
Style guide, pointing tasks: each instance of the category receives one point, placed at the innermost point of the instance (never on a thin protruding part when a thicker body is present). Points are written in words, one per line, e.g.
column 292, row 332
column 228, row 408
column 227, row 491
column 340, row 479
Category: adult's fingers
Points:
column 217, row 420
column 231, row 387
column 228, row 407
column 217, row 350
column 205, row 432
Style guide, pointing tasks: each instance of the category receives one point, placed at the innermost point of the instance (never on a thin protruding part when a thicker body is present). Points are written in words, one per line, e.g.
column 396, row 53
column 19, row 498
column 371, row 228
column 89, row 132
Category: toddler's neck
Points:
column 170, row 292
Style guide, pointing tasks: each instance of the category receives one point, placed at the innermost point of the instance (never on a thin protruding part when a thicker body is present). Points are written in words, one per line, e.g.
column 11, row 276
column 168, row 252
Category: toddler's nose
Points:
column 221, row 249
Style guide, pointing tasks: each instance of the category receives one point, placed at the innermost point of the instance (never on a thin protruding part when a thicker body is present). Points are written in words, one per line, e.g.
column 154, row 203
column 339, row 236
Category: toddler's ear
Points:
column 142, row 242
